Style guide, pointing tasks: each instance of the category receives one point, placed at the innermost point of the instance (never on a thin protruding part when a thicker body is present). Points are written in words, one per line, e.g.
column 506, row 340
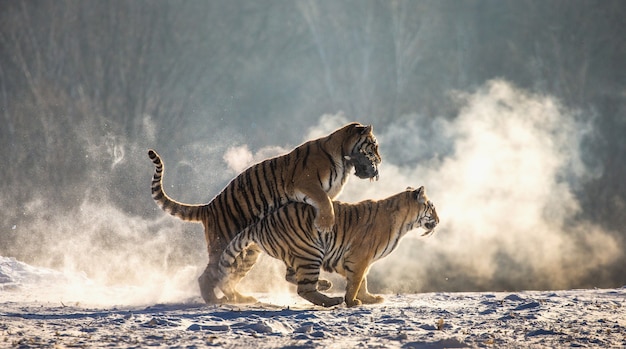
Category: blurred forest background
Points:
column 86, row 87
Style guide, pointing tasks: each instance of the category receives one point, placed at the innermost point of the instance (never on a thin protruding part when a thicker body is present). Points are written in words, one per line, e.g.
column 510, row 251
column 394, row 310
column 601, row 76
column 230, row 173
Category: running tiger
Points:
column 313, row 173
column 364, row 233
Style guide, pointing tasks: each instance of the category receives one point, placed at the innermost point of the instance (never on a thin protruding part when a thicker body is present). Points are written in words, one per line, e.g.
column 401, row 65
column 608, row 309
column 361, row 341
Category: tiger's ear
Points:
column 420, row 195
column 410, row 188
column 367, row 129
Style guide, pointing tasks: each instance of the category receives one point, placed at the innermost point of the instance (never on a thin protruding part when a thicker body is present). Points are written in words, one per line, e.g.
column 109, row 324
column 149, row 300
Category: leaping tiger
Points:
column 313, row 173
column 364, row 233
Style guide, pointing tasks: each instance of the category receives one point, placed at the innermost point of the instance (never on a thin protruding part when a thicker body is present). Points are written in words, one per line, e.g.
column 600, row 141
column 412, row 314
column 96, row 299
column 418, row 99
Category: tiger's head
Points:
column 426, row 216
column 363, row 151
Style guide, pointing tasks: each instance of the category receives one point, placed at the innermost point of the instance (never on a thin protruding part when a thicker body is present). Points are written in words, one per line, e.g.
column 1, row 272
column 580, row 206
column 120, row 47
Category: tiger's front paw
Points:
column 331, row 302
column 353, row 303
column 371, row 299
column 239, row 298
column 324, row 223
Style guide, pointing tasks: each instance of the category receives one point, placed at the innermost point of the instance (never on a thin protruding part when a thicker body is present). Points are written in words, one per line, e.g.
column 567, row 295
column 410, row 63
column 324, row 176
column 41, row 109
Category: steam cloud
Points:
column 503, row 184
column 502, row 174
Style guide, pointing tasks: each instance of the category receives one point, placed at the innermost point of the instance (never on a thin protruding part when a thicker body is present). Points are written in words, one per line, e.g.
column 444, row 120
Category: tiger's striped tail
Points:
column 227, row 267
column 236, row 246
column 190, row 213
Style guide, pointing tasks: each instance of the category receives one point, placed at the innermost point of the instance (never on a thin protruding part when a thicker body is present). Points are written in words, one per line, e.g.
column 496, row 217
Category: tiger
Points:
column 364, row 233
column 313, row 173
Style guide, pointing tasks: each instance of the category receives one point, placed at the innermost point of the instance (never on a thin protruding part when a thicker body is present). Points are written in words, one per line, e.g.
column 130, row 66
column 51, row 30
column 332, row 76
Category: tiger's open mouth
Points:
column 365, row 165
column 428, row 232
column 429, row 227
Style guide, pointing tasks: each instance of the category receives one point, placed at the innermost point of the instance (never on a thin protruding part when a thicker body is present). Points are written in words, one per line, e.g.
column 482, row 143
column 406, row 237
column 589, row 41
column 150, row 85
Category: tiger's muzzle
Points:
column 430, row 225
column 365, row 165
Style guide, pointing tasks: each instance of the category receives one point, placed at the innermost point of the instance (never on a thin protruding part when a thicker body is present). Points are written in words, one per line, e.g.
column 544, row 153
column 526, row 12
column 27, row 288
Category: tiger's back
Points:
column 364, row 233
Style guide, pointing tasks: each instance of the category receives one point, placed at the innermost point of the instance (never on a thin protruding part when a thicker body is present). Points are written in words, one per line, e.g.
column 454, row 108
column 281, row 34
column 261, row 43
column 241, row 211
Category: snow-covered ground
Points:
column 31, row 317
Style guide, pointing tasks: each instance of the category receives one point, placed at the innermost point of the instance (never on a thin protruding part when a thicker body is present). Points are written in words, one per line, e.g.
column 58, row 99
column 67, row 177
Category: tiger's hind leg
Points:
column 210, row 278
column 239, row 269
column 365, row 297
column 307, row 280
column 322, row 284
column 206, row 281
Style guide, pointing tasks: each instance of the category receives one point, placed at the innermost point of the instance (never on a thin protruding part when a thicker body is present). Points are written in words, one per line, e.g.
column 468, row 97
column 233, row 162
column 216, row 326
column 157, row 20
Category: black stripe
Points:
column 275, row 188
column 221, row 223
column 319, row 180
column 258, row 181
column 230, row 253
column 229, row 217
column 245, row 195
column 251, row 190
column 271, row 241
column 356, row 146
column 242, row 217
column 307, row 152
column 333, row 167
